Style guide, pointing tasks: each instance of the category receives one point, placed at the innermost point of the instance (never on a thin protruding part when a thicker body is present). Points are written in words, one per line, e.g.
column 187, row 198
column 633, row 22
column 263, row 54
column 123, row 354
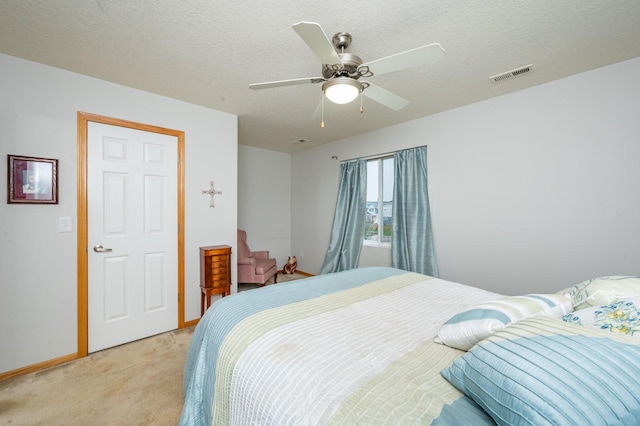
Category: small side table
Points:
column 215, row 274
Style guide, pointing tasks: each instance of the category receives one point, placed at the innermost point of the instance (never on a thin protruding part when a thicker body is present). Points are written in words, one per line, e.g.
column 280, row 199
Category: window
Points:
column 377, row 229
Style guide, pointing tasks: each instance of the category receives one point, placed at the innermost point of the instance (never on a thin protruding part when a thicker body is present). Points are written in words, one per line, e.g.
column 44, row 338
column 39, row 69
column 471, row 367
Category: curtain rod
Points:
column 371, row 157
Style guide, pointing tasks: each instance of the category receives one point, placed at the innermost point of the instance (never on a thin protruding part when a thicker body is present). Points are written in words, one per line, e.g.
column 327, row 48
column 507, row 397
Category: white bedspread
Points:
column 317, row 361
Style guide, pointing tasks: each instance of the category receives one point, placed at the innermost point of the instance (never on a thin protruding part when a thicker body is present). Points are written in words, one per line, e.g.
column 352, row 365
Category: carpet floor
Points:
column 139, row 383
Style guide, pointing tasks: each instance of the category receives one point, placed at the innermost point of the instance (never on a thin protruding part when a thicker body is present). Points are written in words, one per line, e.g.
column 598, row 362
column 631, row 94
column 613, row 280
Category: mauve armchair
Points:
column 254, row 266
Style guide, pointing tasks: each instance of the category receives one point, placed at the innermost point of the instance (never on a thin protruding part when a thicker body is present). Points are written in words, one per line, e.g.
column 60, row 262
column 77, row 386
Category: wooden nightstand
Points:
column 215, row 273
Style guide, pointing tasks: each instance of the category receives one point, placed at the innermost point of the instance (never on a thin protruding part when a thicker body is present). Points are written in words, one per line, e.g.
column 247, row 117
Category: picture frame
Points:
column 32, row 180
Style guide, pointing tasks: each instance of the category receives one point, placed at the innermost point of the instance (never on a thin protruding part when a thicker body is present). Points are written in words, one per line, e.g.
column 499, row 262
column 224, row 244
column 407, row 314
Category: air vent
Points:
column 511, row 74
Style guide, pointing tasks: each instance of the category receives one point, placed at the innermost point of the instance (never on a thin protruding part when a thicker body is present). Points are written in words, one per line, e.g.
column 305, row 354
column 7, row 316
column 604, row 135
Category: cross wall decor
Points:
column 212, row 192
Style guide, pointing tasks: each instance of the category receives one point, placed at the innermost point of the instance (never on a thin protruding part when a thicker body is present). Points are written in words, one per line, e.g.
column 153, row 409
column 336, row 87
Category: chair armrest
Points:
column 246, row 261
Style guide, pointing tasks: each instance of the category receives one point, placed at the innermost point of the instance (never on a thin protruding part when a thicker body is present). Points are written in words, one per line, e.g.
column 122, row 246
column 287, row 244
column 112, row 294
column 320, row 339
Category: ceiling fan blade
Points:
column 312, row 34
column 280, row 83
column 385, row 97
column 428, row 54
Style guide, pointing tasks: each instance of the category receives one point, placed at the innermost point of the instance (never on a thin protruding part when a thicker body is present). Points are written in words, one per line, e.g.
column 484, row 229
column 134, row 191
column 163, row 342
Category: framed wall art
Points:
column 32, row 180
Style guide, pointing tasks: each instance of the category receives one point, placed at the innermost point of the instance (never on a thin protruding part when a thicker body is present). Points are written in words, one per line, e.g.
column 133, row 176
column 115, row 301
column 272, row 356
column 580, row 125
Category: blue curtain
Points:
column 412, row 246
column 348, row 221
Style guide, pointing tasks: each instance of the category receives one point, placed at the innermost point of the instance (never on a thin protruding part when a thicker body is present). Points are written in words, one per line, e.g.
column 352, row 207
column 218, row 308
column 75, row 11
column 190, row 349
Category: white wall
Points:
column 38, row 286
column 531, row 191
column 264, row 200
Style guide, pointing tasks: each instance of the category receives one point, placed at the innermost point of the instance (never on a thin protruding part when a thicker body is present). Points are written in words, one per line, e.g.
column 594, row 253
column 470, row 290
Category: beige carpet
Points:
column 139, row 383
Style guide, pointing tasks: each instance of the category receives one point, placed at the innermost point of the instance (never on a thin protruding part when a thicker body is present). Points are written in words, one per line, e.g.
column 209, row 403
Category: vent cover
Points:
column 511, row 74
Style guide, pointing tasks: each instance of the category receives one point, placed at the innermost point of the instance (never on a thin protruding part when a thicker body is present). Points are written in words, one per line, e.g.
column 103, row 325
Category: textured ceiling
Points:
column 208, row 53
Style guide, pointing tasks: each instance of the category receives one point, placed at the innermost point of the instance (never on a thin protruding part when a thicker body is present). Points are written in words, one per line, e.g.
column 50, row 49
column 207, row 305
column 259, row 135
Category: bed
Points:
column 385, row 346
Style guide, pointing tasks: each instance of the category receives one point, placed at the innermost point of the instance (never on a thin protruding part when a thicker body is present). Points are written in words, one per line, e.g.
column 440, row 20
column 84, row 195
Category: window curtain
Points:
column 348, row 221
column 412, row 246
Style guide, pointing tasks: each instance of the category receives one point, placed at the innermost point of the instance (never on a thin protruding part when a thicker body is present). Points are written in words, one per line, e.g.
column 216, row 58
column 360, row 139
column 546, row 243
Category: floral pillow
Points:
column 622, row 316
column 602, row 291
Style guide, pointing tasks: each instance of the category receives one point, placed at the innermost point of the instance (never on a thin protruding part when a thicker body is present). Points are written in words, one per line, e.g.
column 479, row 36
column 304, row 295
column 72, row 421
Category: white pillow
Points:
column 481, row 320
column 602, row 291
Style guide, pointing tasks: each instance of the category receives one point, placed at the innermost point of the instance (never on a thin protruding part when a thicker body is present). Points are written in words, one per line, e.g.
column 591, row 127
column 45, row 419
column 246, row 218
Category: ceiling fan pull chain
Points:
column 361, row 103
column 322, row 108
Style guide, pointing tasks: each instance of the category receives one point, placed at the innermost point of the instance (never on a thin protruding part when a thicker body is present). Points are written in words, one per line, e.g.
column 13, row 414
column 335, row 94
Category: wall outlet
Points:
column 301, row 254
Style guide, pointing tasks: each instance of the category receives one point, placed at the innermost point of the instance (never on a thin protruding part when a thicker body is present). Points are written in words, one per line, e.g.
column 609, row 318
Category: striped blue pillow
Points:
column 542, row 371
column 479, row 321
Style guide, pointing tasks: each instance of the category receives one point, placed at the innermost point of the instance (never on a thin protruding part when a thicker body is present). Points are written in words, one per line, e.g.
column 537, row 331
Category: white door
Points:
column 132, row 178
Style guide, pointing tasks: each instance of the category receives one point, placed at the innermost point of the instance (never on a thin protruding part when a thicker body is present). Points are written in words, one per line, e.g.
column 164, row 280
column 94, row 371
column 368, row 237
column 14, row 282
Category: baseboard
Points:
column 63, row 359
column 37, row 367
column 306, row 274
column 191, row 323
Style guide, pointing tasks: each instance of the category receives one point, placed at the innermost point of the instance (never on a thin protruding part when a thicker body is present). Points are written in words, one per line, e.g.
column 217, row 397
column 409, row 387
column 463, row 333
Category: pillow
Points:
column 542, row 371
column 622, row 316
column 602, row 291
column 481, row 320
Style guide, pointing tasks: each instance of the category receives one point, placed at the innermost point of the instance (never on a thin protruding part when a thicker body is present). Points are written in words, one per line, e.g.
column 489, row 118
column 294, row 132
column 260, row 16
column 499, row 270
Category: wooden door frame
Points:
column 83, row 256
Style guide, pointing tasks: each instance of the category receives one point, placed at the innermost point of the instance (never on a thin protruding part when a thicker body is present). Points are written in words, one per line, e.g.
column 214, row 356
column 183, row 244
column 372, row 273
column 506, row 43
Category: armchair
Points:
column 254, row 266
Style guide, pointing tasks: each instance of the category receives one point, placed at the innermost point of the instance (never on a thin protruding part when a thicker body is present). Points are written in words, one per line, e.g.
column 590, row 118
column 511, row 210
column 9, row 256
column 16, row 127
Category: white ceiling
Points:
column 208, row 52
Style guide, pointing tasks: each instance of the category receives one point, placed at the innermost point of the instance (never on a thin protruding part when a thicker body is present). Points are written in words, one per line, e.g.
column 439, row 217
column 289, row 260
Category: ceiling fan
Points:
column 342, row 71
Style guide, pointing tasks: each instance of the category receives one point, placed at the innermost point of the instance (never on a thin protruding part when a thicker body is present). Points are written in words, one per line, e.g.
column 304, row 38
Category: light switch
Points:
column 65, row 224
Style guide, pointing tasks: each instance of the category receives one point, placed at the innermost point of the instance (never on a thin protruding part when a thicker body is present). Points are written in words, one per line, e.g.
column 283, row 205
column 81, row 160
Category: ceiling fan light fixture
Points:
column 342, row 90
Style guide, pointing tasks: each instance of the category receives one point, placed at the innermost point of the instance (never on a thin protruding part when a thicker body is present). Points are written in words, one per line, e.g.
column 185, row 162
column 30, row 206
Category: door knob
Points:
column 99, row 249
